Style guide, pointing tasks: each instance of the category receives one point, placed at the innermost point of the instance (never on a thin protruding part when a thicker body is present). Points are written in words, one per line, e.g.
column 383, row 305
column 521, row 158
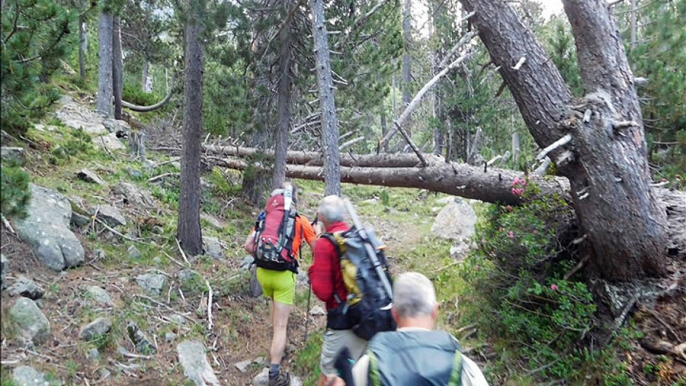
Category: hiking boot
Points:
column 283, row 379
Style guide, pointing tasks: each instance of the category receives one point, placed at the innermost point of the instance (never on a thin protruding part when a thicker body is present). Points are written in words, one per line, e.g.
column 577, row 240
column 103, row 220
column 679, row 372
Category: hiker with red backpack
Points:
column 350, row 275
column 275, row 243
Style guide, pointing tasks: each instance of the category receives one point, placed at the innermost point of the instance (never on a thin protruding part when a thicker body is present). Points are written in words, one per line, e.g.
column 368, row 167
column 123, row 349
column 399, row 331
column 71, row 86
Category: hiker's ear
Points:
column 394, row 312
column 434, row 313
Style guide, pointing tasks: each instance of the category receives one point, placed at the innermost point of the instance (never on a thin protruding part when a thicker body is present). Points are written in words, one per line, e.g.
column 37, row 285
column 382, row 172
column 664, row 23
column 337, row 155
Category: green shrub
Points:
column 15, row 190
column 520, row 270
column 78, row 142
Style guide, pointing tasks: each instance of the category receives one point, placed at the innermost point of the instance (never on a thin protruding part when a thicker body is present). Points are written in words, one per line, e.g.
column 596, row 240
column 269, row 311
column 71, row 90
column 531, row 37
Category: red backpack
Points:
column 275, row 232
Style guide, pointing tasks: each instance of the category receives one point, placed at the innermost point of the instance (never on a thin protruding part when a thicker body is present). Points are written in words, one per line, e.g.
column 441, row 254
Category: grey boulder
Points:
column 28, row 376
column 46, row 229
column 95, row 329
column 90, row 176
column 195, row 365
column 212, row 247
column 13, row 154
column 99, row 296
column 457, row 221
column 110, row 215
column 32, row 324
column 152, row 283
column 26, row 287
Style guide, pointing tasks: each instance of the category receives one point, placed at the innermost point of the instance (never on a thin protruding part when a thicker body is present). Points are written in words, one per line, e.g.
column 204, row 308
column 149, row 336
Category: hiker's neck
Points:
column 426, row 322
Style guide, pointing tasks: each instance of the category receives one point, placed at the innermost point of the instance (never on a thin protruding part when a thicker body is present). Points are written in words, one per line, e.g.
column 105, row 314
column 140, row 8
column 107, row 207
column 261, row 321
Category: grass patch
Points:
column 307, row 360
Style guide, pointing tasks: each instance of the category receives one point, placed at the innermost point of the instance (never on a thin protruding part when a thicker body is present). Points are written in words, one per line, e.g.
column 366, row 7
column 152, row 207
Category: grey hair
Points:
column 413, row 295
column 331, row 209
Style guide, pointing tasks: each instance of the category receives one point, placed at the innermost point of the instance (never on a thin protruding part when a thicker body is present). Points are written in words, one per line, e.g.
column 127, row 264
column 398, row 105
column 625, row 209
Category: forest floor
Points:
column 241, row 330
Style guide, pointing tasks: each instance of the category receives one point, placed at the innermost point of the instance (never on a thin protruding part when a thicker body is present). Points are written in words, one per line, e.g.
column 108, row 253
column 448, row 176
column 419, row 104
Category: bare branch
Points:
column 415, row 101
column 560, row 142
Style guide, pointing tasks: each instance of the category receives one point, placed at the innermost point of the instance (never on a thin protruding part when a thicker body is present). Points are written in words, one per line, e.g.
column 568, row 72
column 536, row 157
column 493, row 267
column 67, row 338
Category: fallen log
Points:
column 494, row 185
column 312, row 158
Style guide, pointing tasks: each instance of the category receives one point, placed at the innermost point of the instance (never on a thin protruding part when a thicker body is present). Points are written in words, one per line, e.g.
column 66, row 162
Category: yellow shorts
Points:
column 278, row 285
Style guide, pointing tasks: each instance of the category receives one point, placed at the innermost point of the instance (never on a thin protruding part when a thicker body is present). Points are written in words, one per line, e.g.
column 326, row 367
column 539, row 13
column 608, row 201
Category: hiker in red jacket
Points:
column 327, row 283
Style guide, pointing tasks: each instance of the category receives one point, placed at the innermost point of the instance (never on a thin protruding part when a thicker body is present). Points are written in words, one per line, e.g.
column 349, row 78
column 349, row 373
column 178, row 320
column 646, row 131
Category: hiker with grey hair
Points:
column 415, row 354
column 327, row 283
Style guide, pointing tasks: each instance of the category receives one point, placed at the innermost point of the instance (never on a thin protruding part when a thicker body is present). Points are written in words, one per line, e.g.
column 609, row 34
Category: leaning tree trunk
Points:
column 332, row 172
column 117, row 68
column 189, row 231
column 603, row 151
column 105, row 66
column 284, row 103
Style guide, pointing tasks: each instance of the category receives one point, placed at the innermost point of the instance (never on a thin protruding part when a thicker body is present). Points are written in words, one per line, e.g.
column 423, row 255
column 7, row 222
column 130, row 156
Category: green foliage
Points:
column 78, row 142
column 660, row 56
column 307, row 361
column 35, row 37
column 14, row 190
column 520, row 269
column 563, row 53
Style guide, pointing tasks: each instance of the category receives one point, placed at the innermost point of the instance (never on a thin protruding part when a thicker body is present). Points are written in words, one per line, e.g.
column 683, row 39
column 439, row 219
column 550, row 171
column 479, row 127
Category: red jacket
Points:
column 325, row 272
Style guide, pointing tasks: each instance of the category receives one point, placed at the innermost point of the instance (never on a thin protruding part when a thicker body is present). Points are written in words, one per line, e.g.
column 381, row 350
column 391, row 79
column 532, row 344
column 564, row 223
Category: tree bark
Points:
column 83, row 46
column 117, row 68
column 625, row 223
column 105, row 33
column 494, row 185
column 256, row 180
column 607, row 168
column 407, row 61
column 332, row 173
column 515, row 150
column 284, row 105
column 311, row 158
column 144, row 77
column 189, row 231
column 384, row 130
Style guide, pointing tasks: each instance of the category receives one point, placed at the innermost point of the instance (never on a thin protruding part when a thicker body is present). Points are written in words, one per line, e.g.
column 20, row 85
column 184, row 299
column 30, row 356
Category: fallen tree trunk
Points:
column 311, row 158
column 147, row 109
column 494, row 185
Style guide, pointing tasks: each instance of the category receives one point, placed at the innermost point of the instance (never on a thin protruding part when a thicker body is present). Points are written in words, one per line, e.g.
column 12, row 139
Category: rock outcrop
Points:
column 46, row 229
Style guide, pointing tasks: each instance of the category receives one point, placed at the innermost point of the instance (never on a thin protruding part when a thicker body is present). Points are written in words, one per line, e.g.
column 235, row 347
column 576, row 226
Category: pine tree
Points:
column 660, row 57
column 36, row 34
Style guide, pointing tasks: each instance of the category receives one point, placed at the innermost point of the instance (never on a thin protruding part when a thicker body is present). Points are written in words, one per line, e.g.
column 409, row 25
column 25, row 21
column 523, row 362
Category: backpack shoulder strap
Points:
column 456, row 375
column 335, row 238
column 374, row 374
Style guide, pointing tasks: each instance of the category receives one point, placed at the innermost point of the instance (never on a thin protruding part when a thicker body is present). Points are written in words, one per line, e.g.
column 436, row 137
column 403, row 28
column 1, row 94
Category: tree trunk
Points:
column 332, row 173
column 83, row 46
column 144, row 77
column 105, row 33
column 117, row 67
column 407, row 62
column 311, row 158
column 606, row 165
column 256, row 180
column 384, row 130
column 284, row 103
column 515, row 150
column 189, row 231
column 494, row 185
column 634, row 25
